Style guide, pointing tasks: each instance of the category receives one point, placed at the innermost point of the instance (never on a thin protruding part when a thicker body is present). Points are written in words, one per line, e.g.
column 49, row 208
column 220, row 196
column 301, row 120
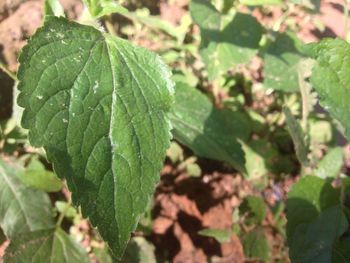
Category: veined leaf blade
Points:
column 98, row 106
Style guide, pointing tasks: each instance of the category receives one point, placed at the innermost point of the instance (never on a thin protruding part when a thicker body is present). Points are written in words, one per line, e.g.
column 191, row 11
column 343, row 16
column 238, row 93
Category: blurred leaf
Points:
column 175, row 152
column 66, row 208
column 53, row 246
column 201, row 127
column 100, row 8
column 36, row 176
column 315, row 220
column 259, row 155
column 254, row 208
column 314, row 242
column 221, row 235
column 331, row 76
column 261, row 2
column 22, row 209
column 225, row 45
column 281, row 63
column 255, row 245
column 341, row 251
column 54, row 8
column 298, row 136
column 321, row 131
column 102, row 255
column 307, row 199
column 311, row 4
column 330, row 165
column 139, row 250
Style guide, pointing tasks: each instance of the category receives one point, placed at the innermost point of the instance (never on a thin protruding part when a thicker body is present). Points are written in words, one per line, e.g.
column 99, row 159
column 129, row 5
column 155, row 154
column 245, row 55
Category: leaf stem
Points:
column 63, row 214
column 7, row 71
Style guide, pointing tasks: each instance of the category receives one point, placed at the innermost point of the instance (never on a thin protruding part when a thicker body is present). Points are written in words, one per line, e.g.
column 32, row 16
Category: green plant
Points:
column 105, row 111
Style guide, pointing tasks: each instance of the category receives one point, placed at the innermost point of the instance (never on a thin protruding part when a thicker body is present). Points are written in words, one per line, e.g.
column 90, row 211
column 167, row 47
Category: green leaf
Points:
column 259, row 155
column 255, row 245
column 225, row 44
column 201, row 127
column 22, row 209
column 54, row 8
column 307, row 199
column 221, row 235
column 315, row 220
column 36, row 176
column 139, row 250
column 281, row 63
column 314, row 242
column 341, row 251
column 100, row 8
column 261, row 2
column 98, row 106
column 102, row 255
column 331, row 164
column 254, row 208
column 53, row 246
column 331, row 77
column 298, row 137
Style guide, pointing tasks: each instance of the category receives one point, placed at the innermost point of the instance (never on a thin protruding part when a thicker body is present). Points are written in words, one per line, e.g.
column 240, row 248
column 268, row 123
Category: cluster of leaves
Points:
column 105, row 111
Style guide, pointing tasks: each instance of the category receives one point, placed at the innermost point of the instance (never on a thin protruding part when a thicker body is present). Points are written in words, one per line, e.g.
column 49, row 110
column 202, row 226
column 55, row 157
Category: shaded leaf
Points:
column 225, row 44
column 98, row 106
column 341, row 251
column 53, row 246
column 314, row 242
column 254, row 208
column 201, row 127
column 255, row 245
column 307, row 199
column 22, row 209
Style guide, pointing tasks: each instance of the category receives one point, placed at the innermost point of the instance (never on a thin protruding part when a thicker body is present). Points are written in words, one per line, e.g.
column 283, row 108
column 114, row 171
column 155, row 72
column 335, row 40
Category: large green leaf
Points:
column 98, row 106
column 315, row 220
column 201, row 127
column 53, row 246
column 225, row 44
column 331, row 77
column 281, row 63
column 307, row 199
column 314, row 242
column 22, row 209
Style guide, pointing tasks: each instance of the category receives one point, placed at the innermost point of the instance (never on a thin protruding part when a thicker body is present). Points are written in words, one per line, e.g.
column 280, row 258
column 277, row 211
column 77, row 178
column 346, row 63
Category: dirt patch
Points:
column 184, row 206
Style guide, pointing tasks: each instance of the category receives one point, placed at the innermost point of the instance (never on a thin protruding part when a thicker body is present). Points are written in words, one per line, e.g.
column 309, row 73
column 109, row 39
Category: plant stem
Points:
column 109, row 25
column 305, row 102
column 346, row 17
column 7, row 71
column 63, row 214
